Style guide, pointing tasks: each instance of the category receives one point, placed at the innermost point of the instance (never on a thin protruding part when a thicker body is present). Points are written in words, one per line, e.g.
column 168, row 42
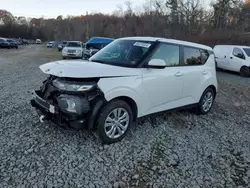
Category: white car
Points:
column 233, row 58
column 128, row 79
column 73, row 49
column 50, row 44
column 38, row 41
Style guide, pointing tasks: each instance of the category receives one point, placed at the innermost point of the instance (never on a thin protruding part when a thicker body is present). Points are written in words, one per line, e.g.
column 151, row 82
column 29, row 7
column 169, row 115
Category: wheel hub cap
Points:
column 207, row 101
column 116, row 123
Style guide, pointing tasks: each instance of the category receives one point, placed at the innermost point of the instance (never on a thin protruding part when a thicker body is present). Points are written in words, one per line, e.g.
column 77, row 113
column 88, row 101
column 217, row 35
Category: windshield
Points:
column 122, row 53
column 247, row 50
column 73, row 44
column 64, row 42
column 96, row 45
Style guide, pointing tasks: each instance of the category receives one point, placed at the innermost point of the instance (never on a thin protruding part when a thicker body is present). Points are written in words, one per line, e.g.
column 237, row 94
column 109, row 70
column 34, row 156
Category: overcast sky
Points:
column 53, row 8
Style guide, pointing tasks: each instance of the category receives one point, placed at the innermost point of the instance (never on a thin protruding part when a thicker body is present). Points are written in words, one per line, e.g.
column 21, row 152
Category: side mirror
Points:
column 240, row 55
column 157, row 63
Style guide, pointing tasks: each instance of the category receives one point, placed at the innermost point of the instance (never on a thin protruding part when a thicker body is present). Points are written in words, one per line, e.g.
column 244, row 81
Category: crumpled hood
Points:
column 86, row 69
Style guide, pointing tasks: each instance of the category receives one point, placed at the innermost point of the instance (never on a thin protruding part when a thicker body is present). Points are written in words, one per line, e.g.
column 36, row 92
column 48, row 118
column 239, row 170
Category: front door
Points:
column 236, row 59
column 163, row 86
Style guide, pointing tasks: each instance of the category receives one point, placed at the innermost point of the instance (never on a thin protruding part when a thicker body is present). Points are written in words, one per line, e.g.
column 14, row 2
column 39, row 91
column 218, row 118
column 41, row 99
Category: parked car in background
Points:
column 61, row 46
column 95, row 44
column 50, row 44
column 4, row 43
column 32, row 42
column 13, row 43
column 19, row 42
column 128, row 79
column 25, row 42
column 73, row 49
column 38, row 41
column 233, row 58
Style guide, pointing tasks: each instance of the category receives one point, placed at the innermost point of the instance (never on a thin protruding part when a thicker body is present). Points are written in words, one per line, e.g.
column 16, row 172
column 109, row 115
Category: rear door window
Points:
column 192, row 56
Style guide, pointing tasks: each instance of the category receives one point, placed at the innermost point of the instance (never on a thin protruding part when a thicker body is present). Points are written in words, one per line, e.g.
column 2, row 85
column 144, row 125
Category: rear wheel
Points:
column 114, row 121
column 206, row 101
column 244, row 72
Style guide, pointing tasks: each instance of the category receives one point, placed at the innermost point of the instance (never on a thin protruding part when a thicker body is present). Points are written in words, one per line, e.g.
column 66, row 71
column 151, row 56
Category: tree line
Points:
column 223, row 21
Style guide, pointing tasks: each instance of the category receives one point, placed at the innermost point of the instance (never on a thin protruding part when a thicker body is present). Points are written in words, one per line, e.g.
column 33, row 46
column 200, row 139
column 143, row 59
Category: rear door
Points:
column 195, row 72
column 236, row 59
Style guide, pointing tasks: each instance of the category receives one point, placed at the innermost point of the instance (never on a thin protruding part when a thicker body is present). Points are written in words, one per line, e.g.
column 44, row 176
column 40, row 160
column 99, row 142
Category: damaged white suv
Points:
column 130, row 78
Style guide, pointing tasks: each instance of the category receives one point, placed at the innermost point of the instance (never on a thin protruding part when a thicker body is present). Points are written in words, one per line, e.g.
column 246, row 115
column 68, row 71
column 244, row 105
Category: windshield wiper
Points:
column 98, row 61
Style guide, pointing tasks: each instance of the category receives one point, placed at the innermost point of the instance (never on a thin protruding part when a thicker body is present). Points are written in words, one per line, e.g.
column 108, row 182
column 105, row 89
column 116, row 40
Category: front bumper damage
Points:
column 47, row 103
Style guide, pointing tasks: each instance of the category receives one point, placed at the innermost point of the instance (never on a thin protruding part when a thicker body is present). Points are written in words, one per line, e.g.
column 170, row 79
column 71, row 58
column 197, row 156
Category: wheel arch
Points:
column 131, row 103
column 214, row 89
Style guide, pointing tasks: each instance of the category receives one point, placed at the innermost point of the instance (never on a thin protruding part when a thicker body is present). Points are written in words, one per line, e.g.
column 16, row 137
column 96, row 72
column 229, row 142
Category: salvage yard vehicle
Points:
column 233, row 58
column 13, row 43
column 50, row 44
column 61, row 46
column 38, row 41
column 95, row 44
column 4, row 43
column 128, row 79
column 73, row 49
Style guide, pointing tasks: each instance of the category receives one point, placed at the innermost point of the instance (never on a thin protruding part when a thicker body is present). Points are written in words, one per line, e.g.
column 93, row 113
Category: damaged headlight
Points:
column 73, row 104
column 66, row 86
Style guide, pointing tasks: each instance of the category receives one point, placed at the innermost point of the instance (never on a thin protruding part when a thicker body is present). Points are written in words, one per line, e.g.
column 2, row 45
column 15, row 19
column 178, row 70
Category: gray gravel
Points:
column 177, row 149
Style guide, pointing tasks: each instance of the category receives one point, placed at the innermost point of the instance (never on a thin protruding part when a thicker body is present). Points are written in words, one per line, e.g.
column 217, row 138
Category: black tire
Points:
column 216, row 66
column 244, row 71
column 105, row 112
column 64, row 57
column 200, row 108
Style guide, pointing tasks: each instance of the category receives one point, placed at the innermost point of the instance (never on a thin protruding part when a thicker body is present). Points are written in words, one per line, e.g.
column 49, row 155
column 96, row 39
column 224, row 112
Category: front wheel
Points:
column 114, row 121
column 244, row 72
column 206, row 102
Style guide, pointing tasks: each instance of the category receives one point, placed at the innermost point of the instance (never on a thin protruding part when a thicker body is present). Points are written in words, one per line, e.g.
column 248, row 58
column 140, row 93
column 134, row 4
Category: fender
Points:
column 123, row 87
column 209, row 82
column 124, row 92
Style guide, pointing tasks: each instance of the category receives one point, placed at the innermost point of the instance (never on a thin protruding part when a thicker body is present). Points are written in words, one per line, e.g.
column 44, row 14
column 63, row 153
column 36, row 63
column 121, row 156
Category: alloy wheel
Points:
column 116, row 123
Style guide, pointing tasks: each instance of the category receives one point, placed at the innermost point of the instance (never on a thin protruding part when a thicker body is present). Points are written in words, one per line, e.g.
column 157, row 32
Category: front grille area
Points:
column 71, row 51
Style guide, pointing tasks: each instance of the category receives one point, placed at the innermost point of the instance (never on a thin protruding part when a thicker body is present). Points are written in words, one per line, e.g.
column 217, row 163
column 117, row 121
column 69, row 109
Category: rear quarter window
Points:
column 204, row 56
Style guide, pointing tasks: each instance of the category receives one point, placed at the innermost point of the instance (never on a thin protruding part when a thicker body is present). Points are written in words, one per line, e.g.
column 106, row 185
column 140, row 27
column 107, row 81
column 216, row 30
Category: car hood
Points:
column 86, row 69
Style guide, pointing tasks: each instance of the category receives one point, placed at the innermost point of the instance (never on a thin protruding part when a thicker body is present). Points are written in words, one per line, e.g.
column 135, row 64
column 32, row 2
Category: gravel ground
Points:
column 178, row 149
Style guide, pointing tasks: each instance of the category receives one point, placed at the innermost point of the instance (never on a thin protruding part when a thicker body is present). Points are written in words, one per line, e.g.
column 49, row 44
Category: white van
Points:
column 128, row 79
column 233, row 58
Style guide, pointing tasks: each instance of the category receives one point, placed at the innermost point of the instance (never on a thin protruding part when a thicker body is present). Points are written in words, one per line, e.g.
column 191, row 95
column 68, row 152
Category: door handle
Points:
column 231, row 57
column 204, row 72
column 178, row 74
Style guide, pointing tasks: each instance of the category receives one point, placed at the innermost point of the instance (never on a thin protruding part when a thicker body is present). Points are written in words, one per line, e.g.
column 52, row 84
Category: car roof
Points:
column 234, row 46
column 180, row 42
column 100, row 40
